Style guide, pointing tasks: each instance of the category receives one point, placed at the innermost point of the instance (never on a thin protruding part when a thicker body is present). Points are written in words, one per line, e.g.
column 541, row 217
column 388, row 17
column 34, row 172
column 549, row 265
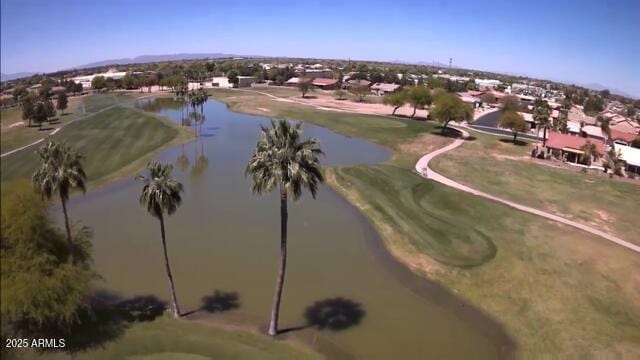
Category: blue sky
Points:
column 575, row 41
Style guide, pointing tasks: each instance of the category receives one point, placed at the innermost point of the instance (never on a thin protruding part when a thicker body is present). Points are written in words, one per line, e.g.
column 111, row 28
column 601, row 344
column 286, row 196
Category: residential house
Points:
column 357, row 82
column 384, row 88
column 622, row 138
column 568, row 147
column 324, row 83
column 630, row 156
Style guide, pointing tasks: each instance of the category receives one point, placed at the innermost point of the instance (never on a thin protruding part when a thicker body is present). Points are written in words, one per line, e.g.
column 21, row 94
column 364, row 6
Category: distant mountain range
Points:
column 157, row 58
column 600, row 87
column 7, row 77
column 424, row 63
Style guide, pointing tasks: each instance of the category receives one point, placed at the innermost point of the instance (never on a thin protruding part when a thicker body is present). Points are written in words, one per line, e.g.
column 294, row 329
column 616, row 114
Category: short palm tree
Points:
column 282, row 160
column 60, row 172
column 589, row 152
column 160, row 195
column 614, row 162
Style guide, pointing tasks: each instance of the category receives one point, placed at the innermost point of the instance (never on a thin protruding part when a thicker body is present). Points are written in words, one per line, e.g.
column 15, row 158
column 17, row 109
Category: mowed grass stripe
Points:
column 109, row 140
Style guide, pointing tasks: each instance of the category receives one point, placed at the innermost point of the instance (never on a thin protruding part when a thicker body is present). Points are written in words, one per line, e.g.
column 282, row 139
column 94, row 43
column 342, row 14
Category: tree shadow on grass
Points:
column 510, row 141
column 449, row 132
column 105, row 318
column 334, row 314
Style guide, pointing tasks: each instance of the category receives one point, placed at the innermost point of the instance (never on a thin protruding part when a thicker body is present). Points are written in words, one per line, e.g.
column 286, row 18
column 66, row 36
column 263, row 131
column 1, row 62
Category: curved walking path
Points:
column 422, row 167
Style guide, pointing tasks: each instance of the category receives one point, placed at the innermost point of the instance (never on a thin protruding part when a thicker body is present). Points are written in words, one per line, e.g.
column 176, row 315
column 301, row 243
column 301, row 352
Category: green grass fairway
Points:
column 15, row 137
column 166, row 338
column 560, row 292
column 504, row 170
column 114, row 142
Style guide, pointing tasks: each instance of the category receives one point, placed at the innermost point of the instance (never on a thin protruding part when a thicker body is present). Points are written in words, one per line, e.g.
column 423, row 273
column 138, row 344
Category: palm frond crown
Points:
column 281, row 159
column 161, row 193
column 60, row 170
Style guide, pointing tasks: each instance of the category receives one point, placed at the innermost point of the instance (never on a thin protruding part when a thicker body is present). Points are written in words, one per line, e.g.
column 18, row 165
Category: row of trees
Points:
column 281, row 161
column 446, row 107
column 38, row 109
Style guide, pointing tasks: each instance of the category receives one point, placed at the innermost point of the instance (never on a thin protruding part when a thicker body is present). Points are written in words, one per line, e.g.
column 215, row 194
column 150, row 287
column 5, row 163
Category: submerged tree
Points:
column 161, row 195
column 60, row 172
column 284, row 161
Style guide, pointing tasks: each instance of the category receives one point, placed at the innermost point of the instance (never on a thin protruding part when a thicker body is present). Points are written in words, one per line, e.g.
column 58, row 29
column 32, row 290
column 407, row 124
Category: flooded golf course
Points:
column 225, row 238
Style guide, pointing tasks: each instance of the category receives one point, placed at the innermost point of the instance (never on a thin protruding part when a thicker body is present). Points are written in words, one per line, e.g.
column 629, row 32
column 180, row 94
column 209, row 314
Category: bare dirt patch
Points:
column 325, row 102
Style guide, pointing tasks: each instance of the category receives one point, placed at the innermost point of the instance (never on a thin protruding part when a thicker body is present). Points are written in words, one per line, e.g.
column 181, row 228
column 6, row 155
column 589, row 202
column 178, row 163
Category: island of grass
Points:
column 558, row 291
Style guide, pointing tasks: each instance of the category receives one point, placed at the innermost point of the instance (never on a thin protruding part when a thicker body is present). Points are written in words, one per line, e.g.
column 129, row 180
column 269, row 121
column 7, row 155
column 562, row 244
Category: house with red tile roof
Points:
column 325, row 83
column 568, row 147
column 622, row 138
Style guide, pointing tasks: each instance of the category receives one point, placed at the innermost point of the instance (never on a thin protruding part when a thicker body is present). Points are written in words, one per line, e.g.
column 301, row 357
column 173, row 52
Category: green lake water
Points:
column 225, row 238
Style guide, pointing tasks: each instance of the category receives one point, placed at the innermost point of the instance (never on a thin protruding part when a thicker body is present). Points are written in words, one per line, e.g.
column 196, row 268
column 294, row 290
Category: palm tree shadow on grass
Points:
column 219, row 301
column 334, row 314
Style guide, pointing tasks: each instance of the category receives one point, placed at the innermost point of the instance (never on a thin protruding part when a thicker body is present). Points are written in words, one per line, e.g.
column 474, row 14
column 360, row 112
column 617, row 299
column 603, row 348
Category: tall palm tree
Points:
column 160, row 195
column 182, row 92
column 541, row 115
column 605, row 127
column 282, row 160
column 60, row 172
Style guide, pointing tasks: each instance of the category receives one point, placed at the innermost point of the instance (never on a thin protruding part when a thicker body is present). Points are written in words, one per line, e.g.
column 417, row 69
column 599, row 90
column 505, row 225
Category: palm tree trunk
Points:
column 414, row 111
column 172, row 287
column 544, row 136
column 394, row 110
column 273, row 326
column 68, row 228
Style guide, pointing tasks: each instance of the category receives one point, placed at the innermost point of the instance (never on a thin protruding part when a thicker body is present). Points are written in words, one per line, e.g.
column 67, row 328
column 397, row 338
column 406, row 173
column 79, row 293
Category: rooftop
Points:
column 630, row 155
column 385, row 87
column 557, row 140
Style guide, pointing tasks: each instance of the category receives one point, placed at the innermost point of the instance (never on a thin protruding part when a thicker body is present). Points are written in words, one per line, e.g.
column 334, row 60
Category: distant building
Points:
column 314, row 73
column 384, row 88
column 86, row 80
column 487, row 83
column 223, row 82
